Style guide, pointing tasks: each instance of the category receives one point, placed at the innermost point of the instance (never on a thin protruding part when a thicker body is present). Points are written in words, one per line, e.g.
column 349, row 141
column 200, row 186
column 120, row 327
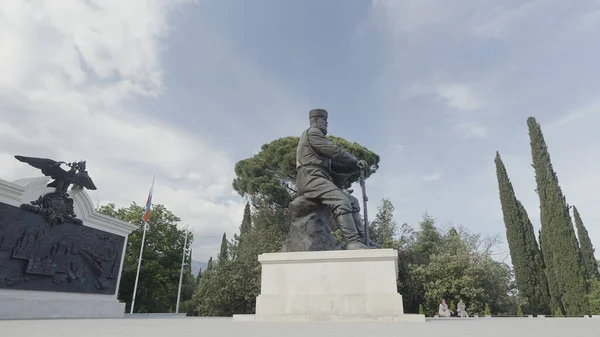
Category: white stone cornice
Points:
column 84, row 209
column 10, row 193
column 23, row 191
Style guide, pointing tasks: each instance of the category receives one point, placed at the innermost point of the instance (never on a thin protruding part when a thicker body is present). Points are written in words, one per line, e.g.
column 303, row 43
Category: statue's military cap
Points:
column 317, row 113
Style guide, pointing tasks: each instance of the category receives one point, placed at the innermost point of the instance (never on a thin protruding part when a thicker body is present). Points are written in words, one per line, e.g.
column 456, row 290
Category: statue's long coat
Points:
column 314, row 157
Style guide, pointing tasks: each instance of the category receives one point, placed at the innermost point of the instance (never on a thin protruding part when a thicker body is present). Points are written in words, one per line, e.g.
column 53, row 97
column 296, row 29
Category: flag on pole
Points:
column 149, row 203
column 146, row 217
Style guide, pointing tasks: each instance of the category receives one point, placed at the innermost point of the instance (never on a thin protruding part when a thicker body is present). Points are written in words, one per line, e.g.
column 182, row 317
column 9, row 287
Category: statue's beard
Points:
column 322, row 126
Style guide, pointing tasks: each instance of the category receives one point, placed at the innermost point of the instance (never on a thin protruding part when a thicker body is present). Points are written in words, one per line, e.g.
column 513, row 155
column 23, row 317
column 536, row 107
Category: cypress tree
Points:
column 224, row 253
column 524, row 251
column 550, row 277
column 238, row 243
column 383, row 229
column 564, row 268
column 586, row 247
column 242, row 242
column 246, row 221
column 199, row 276
column 520, row 311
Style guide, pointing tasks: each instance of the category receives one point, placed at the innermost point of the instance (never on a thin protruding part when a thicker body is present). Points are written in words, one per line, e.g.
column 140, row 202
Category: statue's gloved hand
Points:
column 362, row 165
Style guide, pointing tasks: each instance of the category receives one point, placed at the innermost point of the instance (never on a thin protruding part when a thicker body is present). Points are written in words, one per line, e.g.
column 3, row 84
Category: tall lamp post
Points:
column 187, row 228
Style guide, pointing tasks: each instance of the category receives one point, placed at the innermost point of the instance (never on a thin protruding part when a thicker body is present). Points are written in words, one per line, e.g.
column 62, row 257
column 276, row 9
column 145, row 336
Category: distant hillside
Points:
column 197, row 265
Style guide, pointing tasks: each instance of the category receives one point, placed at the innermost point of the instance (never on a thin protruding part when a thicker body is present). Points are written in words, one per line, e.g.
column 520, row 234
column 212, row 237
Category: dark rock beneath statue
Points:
column 309, row 227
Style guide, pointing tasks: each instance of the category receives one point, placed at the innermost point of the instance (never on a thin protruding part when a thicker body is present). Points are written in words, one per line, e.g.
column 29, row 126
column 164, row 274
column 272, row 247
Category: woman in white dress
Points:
column 443, row 310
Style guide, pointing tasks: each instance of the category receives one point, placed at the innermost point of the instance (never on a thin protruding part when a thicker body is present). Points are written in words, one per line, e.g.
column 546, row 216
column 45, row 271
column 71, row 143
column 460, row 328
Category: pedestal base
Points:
column 354, row 285
column 402, row 318
column 24, row 304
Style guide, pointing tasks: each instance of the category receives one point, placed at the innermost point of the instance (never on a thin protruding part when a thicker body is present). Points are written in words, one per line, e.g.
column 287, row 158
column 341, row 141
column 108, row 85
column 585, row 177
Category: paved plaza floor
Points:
column 205, row 327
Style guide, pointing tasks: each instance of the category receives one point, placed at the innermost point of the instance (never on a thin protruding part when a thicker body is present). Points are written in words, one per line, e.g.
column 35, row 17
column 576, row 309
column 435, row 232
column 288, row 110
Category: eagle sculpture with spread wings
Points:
column 76, row 175
column 57, row 206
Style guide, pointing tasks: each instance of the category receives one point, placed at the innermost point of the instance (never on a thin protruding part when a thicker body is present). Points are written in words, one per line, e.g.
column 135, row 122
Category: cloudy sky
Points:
column 185, row 89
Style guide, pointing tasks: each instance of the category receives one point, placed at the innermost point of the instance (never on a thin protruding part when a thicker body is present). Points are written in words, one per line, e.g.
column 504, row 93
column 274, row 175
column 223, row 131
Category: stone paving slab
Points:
column 226, row 327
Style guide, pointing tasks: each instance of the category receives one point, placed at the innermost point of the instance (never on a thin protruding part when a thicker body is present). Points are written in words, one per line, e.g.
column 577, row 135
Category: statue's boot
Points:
column 346, row 223
column 360, row 228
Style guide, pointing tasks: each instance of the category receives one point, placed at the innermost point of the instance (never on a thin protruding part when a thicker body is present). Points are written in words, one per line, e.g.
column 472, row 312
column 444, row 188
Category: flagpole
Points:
column 181, row 271
column 137, row 275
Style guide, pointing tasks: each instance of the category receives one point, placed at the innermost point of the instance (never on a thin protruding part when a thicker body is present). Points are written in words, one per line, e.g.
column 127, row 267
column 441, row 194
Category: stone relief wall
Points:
column 35, row 255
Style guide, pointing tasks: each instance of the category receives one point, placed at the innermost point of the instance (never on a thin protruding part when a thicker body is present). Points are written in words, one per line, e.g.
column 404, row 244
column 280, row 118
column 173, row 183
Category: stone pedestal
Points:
column 60, row 271
column 346, row 285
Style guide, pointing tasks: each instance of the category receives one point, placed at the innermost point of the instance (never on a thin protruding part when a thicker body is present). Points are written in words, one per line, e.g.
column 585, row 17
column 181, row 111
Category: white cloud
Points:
column 487, row 19
column 460, row 96
column 69, row 72
column 410, row 16
column 502, row 22
column 464, row 104
column 470, row 130
column 590, row 21
column 574, row 115
column 433, row 177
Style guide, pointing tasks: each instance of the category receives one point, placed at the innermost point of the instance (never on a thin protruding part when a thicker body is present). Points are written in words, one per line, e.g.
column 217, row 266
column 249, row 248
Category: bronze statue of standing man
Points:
column 315, row 156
